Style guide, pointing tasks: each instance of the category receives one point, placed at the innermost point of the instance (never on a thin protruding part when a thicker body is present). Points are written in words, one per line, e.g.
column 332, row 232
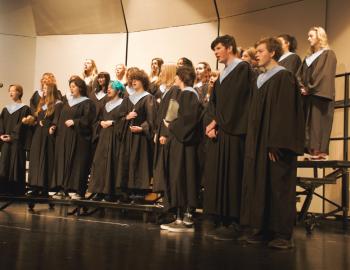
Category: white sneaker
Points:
column 167, row 226
column 180, row 227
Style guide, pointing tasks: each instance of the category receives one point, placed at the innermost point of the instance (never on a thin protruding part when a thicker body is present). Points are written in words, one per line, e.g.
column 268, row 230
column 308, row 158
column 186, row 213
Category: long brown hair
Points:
column 50, row 100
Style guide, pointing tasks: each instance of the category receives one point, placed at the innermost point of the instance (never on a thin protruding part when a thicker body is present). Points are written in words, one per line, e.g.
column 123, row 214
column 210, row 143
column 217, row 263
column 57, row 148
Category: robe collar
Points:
column 44, row 107
column 100, row 95
column 285, row 55
column 229, row 69
column 190, row 89
column 130, row 90
column 310, row 59
column 14, row 107
column 74, row 101
column 110, row 105
column 137, row 96
column 162, row 88
column 263, row 77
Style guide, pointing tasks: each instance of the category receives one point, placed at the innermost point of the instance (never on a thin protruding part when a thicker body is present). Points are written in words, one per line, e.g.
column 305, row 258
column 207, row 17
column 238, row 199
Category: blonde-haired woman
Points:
column 42, row 150
column 317, row 81
column 160, row 166
column 90, row 75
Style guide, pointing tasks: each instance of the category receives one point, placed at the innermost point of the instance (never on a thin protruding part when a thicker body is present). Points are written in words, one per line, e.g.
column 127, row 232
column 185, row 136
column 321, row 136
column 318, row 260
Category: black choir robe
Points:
column 13, row 156
column 73, row 147
column 275, row 122
column 229, row 105
column 154, row 90
column 186, row 132
column 292, row 63
column 319, row 81
column 42, row 150
column 135, row 164
column 99, row 103
column 104, row 165
column 161, row 152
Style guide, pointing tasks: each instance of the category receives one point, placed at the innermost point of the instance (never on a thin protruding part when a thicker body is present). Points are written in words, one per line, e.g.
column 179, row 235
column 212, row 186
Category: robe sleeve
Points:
column 149, row 125
column 189, row 116
column 286, row 126
column 84, row 122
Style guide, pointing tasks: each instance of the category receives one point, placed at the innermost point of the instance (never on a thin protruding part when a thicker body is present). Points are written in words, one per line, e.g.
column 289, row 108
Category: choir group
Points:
column 183, row 133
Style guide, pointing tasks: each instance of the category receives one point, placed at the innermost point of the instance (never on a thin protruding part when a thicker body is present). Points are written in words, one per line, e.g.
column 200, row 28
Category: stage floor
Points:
column 46, row 239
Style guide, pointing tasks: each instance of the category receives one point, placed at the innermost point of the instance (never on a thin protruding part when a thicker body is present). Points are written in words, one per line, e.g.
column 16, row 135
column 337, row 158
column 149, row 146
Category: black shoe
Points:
column 33, row 193
column 280, row 243
column 227, row 233
column 98, row 197
column 256, row 238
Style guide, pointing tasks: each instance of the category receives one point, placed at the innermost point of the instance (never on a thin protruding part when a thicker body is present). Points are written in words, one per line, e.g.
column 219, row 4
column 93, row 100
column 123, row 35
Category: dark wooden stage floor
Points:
column 47, row 240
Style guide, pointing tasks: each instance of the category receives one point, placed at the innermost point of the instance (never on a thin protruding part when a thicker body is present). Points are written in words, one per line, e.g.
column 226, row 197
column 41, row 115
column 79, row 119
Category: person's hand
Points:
column 303, row 91
column 212, row 134
column 5, row 138
column 131, row 115
column 163, row 140
column 41, row 123
column 135, row 129
column 69, row 123
column 274, row 154
column 106, row 124
column 52, row 130
column 210, row 127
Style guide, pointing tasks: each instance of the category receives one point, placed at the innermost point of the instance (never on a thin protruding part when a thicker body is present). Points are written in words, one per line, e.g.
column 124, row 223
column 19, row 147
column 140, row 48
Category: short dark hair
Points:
column 227, row 41
column 141, row 75
column 19, row 89
column 187, row 75
column 80, row 83
column 293, row 44
column 272, row 45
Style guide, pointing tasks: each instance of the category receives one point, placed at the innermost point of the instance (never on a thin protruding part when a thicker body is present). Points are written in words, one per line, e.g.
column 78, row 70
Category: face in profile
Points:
column 110, row 92
column 312, row 38
column 120, row 71
column 154, row 66
column 14, row 95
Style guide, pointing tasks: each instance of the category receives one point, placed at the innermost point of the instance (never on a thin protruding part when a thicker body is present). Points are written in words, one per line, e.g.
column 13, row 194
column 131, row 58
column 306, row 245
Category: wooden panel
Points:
column 79, row 17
